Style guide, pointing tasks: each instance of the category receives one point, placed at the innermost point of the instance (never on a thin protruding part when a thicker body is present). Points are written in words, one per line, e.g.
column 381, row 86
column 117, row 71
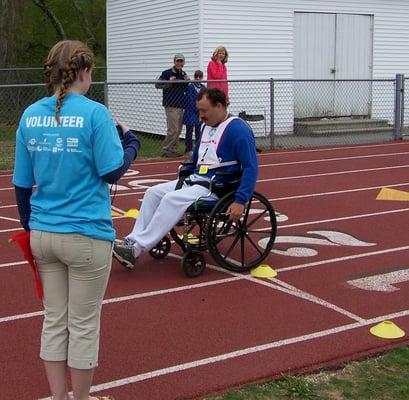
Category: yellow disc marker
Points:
column 263, row 271
column 132, row 213
column 191, row 238
column 387, row 330
column 392, row 194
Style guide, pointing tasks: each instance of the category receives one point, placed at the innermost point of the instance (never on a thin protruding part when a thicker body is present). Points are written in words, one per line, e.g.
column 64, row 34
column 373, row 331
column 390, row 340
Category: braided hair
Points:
column 61, row 69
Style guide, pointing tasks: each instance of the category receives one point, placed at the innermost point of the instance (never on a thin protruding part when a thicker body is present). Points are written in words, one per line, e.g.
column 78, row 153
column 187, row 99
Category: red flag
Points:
column 23, row 240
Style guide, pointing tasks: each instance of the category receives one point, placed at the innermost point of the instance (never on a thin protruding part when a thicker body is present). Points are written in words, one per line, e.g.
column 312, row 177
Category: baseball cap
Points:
column 179, row 56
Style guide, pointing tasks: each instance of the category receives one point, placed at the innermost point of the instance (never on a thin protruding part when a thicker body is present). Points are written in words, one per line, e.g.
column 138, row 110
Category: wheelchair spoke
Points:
column 231, row 246
column 246, row 214
column 257, row 218
column 253, row 244
column 242, row 249
column 222, row 236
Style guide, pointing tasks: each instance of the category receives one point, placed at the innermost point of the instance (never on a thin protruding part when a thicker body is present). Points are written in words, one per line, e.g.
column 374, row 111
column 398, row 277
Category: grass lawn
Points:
column 385, row 377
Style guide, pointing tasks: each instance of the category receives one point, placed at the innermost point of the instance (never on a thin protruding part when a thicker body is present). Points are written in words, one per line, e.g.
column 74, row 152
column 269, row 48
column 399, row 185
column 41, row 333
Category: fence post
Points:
column 106, row 94
column 402, row 113
column 271, row 114
column 397, row 126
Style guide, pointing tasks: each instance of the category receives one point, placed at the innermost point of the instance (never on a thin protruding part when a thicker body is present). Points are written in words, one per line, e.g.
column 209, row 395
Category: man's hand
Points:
column 235, row 211
column 186, row 77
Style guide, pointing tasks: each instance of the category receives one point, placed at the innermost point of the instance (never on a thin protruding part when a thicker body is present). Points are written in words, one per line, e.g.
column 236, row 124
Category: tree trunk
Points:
column 52, row 17
column 92, row 41
column 9, row 14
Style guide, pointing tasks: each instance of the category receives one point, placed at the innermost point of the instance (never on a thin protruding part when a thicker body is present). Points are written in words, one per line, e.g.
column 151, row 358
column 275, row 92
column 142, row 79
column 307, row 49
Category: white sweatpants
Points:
column 162, row 208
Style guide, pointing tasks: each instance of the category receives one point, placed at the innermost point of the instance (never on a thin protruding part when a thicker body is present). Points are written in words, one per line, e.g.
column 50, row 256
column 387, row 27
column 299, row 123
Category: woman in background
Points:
column 216, row 70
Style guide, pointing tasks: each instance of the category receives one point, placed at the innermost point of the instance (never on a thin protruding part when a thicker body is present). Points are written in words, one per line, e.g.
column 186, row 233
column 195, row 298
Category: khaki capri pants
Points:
column 74, row 270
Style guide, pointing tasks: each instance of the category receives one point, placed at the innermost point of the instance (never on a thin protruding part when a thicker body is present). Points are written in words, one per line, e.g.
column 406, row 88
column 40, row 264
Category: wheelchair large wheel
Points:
column 243, row 245
column 161, row 249
column 193, row 264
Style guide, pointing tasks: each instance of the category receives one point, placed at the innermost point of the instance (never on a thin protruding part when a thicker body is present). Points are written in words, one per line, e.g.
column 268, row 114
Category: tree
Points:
column 91, row 39
column 29, row 28
column 42, row 4
column 10, row 16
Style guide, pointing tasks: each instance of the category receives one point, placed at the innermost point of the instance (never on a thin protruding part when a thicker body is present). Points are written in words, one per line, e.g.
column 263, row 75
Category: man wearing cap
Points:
column 174, row 102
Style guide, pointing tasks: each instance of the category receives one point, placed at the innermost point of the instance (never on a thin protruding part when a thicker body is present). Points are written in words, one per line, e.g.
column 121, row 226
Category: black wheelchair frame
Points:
column 206, row 226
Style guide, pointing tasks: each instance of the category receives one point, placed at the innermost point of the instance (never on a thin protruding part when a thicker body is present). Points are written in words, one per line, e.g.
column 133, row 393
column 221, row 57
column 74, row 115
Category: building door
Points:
column 332, row 47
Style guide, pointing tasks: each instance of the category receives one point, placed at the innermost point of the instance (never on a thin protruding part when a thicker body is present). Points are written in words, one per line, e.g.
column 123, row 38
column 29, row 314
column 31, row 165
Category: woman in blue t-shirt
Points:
column 68, row 147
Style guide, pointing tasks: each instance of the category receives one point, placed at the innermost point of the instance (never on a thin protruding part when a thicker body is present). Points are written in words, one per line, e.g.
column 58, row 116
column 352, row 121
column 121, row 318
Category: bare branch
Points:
column 42, row 4
column 85, row 25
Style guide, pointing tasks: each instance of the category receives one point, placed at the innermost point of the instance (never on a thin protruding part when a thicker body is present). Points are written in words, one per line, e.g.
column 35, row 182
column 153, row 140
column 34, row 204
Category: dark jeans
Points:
column 189, row 136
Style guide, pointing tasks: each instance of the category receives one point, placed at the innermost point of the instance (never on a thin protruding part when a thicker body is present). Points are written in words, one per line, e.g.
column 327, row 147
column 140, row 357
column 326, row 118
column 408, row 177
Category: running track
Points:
column 168, row 337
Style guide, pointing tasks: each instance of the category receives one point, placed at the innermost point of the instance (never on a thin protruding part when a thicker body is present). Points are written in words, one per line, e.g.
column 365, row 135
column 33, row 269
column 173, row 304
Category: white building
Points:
column 280, row 39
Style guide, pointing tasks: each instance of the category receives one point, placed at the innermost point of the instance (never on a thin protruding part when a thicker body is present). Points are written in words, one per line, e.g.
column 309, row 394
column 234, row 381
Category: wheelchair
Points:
column 235, row 246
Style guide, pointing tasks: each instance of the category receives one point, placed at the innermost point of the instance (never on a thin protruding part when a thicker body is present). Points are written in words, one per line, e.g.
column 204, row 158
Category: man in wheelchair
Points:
column 227, row 145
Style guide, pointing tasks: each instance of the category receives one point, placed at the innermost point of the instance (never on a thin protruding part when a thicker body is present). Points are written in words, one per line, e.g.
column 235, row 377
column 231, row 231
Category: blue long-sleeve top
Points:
column 238, row 144
column 131, row 146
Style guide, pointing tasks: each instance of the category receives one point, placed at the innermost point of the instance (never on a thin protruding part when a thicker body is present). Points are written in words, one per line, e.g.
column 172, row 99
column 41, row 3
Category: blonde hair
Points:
column 221, row 48
column 64, row 62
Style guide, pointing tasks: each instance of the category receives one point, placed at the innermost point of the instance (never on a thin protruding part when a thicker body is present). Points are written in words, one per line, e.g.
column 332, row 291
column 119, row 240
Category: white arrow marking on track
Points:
column 381, row 282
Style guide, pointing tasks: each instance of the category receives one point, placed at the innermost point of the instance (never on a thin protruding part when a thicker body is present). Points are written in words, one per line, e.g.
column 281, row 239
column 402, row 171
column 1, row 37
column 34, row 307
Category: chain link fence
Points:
column 29, row 75
column 283, row 114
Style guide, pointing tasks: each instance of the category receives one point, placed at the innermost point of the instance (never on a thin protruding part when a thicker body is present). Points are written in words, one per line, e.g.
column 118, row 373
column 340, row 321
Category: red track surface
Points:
column 168, row 337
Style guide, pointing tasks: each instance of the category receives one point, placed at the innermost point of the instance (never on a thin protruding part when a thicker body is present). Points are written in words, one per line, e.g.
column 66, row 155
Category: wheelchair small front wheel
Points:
column 193, row 264
column 162, row 249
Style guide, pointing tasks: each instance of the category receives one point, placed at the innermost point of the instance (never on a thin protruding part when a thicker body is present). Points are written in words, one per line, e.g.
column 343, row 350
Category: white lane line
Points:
column 243, row 352
column 278, row 164
column 138, row 192
column 22, row 316
column 346, row 258
column 322, row 221
column 10, row 219
column 10, row 230
column 284, row 287
column 11, row 264
column 354, row 171
column 341, row 148
column 133, row 297
column 172, row 290
column 301, row 196
column 317, row 300
column 267, row 153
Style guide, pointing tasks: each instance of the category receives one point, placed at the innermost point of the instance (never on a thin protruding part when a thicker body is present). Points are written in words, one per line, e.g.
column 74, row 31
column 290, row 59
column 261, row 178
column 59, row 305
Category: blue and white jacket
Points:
column 232, row 140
